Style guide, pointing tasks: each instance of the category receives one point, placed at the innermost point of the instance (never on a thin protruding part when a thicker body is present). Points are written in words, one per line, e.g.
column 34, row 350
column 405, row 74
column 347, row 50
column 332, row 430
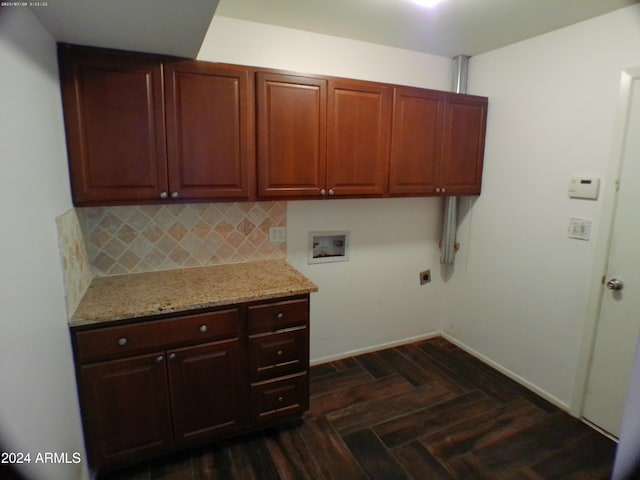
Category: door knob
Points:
column 615, row 284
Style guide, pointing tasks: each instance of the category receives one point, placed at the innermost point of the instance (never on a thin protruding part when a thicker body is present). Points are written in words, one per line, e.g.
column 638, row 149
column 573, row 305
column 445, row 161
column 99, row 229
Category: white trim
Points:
column 609, row 200
column 505, row 371
column 374, row 348
column 517, row 378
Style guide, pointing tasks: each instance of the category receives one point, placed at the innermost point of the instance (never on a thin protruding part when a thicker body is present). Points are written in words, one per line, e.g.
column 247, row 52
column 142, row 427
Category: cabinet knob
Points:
column 279, row 353
column 331, row 192
column 203, row 328
column 122, row 341
column 175, row 194
column 159, row 359
column 280, row 316
column 164, row 195
column 172, row 356
column 323, row 192
column 437, row 190
column 444, row 190
column 280, row 399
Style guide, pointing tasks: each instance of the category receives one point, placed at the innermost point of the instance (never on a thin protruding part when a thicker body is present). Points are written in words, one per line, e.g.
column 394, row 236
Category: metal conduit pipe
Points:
column 450, row 217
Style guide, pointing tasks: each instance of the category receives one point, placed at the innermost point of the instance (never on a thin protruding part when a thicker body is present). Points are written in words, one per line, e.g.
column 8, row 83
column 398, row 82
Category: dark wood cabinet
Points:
column 145, row 129
column 359, row 117
column 114, row 116
column 124, row 149
column 292, row 126
column 437, row 143
column 126, row 408
column 416, row 141
column 210, row 130
column 207, row 390
column 279, row 359
column 149, row 387
column 465, row 126
column 321, row 137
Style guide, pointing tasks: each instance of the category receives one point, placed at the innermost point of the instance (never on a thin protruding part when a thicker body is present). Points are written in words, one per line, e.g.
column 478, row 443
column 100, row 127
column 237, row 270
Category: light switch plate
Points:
column 579, row 228
column 277, row 234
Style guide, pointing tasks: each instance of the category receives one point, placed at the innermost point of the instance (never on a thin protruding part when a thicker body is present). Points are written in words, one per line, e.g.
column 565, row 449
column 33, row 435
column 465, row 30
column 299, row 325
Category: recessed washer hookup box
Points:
column 325, row 247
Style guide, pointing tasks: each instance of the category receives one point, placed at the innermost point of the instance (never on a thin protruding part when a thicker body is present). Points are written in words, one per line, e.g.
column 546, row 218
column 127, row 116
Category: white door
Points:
column 619, row 322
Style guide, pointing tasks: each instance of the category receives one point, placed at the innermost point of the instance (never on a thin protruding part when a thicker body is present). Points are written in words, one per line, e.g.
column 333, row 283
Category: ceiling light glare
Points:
column 427, row 3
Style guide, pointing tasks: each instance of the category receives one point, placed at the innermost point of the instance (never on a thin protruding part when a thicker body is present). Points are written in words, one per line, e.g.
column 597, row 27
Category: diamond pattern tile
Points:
column 134, row 239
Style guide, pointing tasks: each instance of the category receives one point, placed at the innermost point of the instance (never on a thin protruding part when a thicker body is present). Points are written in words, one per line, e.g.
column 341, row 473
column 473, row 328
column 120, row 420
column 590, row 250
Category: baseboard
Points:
column 373, row 348
column 505, row 371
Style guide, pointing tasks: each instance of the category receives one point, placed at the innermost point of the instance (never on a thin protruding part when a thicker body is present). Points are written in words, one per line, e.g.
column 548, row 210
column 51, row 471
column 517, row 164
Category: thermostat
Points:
column 584, row 187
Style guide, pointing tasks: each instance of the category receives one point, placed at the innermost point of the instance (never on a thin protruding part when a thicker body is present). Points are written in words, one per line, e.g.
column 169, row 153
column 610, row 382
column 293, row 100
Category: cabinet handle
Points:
column 323, row 192
column 172, row 356
column 122, row 341
column 203, row 328
column 331, row 192
column 280, row 316
column 164, row 195
column 159, row 359
column 175, row 194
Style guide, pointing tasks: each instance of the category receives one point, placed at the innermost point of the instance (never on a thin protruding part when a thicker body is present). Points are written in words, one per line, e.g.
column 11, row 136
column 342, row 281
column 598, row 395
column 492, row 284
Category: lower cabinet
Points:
column 148, row 387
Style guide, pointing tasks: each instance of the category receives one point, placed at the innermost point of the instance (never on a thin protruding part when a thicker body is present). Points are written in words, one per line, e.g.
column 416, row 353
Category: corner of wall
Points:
column 75, row 261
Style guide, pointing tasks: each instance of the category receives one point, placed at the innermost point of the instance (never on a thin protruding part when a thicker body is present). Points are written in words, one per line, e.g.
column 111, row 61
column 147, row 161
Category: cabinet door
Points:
column 291, row 135
column 210, row 133
column 416, row 141
column 125, row 407
column 359, row 119
column 208, row 389
column 114, row 116
column 463, row 147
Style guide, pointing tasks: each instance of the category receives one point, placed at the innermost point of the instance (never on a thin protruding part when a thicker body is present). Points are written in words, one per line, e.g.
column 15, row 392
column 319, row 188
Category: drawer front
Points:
column 113, row 342
column 277, row 354
column 279, row 315
column 279, row 399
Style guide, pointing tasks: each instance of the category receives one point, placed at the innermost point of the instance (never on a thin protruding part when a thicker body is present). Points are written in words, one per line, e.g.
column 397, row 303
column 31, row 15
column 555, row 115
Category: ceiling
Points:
column 154, row 26
column 454, row 27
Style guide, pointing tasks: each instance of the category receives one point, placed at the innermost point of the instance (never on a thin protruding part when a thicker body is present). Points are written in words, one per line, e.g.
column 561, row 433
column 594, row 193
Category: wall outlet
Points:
column 425, row 277
column 277, row 234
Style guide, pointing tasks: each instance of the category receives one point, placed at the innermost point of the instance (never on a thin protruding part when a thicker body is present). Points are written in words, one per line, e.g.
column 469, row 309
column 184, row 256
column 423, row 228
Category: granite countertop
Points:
column 145, row 294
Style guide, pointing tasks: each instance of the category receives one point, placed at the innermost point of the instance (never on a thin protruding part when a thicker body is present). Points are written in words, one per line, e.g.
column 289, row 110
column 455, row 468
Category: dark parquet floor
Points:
column 426, row 410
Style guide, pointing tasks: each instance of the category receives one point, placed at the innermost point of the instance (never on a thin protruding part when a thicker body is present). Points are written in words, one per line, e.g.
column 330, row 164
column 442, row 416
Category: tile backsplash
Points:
column 75, row 261
column 133, row 239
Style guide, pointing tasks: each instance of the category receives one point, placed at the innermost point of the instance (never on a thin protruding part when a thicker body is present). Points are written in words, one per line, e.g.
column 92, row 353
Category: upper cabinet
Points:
column 210, row 130
column 292, row 135
column 465, row 123
column 321, row 137
column 437, row 143
column 416, row 141
column 359, row 118
column 145, row 128
column 327, row 137
column 114, row 117
column 119, row 148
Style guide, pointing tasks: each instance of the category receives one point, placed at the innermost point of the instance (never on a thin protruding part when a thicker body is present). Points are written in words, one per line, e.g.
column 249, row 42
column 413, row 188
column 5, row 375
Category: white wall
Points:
column 519, row 295
column 38, row 402
column 373, row 299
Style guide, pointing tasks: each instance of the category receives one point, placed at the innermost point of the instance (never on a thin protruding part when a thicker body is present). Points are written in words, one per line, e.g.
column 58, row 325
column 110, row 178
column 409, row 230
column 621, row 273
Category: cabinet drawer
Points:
column 277, row 354
column 276, row 399
column 112, row 342
column 275, row 316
